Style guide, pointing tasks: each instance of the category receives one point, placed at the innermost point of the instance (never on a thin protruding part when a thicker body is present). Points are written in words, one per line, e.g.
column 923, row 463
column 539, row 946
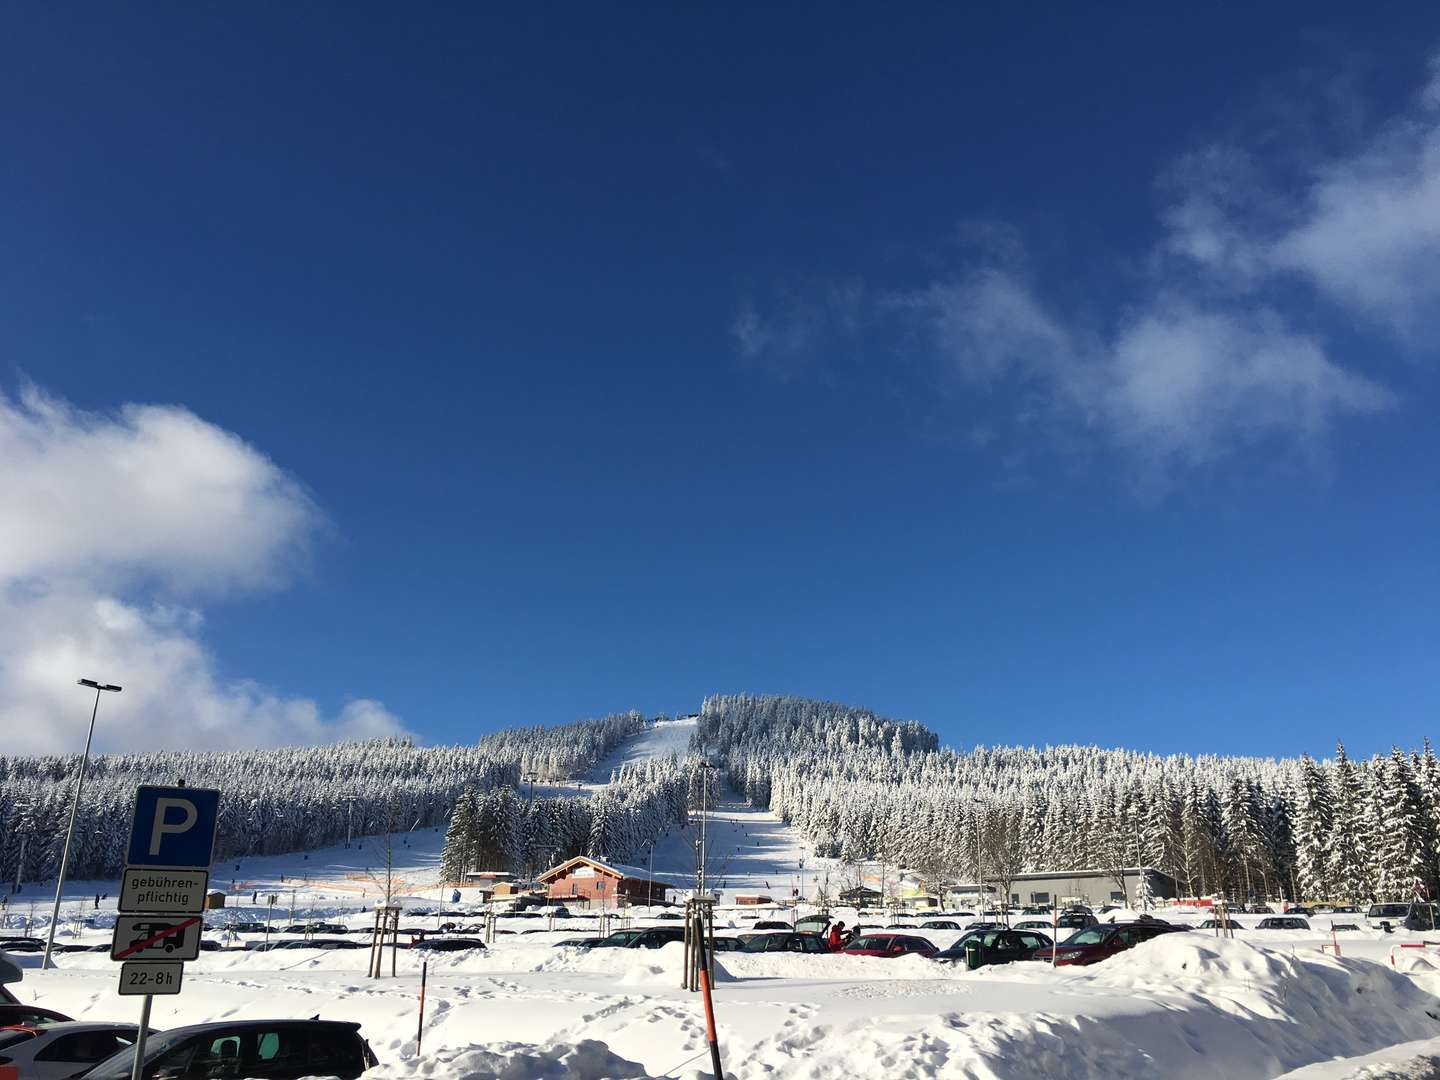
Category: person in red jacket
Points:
column 836, row 938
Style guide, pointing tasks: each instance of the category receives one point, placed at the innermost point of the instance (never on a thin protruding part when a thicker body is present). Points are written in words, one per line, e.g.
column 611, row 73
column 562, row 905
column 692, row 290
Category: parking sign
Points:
column 174, row 827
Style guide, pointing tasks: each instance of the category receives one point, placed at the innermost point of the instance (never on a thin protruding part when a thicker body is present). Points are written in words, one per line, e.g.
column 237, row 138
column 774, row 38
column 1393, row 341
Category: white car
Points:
column 55, row 1051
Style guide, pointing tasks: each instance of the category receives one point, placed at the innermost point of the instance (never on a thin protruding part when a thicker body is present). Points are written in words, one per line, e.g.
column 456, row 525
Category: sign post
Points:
column 162, row 893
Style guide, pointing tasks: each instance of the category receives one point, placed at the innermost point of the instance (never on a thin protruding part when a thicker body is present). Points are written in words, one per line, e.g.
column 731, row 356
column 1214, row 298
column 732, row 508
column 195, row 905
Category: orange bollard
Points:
column 709, row 1012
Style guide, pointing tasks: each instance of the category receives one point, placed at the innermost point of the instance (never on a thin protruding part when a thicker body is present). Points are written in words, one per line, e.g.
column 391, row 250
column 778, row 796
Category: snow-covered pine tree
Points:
column 1314, row 826
column 1346, row 872
column 1399, row 842
column 454, row 861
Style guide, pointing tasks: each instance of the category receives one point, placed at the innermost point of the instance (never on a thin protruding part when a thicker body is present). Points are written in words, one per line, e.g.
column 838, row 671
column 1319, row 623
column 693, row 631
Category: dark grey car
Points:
column 261, row 1049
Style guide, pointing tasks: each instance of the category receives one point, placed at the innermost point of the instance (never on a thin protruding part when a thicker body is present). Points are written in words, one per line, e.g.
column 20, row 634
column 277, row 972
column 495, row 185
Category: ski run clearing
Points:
column 1266, row 1004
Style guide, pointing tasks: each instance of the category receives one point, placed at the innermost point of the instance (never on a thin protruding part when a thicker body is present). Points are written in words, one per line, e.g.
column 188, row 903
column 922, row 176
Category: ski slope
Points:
column 668, row 738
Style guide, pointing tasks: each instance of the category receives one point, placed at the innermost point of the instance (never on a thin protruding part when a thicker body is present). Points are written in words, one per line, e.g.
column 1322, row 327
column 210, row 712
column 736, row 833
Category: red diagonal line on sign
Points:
column 176, row 929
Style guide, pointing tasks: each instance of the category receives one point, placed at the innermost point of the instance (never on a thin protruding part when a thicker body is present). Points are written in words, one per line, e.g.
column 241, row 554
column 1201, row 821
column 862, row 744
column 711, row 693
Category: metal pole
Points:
column 139, row 1067
column 420, row 1030
column 70, row 835
column 20, row 866
column 704, row 798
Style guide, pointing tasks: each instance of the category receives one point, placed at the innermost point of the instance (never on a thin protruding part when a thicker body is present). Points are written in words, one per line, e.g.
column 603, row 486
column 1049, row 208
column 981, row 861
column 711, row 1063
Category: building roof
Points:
column 613, row 869
column 1037, row 874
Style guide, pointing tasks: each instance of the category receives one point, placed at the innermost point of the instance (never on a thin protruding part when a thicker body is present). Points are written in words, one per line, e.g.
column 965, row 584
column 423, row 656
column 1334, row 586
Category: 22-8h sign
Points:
column 174, row 827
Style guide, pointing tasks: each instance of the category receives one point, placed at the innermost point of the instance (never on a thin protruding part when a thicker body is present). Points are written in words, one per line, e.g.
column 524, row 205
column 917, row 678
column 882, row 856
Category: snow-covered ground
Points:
column 1192, row 1005
column 1182, row 1006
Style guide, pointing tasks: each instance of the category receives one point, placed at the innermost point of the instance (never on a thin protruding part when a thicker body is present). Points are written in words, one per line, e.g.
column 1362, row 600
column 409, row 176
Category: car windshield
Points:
column 1092, row 935
column 760, row 943
column 118, row 1066
column 1388, row 911
column 871, row 942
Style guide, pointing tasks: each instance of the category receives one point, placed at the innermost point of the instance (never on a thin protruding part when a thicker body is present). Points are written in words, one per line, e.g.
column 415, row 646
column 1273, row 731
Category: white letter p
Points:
column 160, row 828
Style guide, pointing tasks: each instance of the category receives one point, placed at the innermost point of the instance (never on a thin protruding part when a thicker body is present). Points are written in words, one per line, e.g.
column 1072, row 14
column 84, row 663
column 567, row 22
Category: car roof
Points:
column 231, row 1025
column 66, row 1027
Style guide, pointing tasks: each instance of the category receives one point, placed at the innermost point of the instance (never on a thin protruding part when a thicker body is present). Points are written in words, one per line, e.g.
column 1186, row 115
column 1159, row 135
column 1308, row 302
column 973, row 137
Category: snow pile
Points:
column 730, row 966
column 1179, row 1006
column 589, row 1059
column 1408, row 1061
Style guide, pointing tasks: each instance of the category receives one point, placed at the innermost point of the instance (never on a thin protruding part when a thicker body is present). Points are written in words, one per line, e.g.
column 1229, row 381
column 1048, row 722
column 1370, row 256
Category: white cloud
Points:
column 1192, row 384
column 1362, row 228
column 1175, row 382
column 114, row 526
column 1214, row 348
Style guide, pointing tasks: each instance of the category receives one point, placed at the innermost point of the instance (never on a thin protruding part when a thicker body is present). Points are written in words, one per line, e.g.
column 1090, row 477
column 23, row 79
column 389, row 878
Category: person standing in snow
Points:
column 835, row 939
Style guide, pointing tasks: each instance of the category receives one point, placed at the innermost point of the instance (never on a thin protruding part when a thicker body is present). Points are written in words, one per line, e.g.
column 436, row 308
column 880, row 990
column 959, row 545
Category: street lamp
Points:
column 23, row 826
column 705, row 770
column 74, row 809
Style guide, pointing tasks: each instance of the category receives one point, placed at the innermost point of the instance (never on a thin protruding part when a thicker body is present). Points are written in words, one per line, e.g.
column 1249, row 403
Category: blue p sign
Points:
column 174, row 827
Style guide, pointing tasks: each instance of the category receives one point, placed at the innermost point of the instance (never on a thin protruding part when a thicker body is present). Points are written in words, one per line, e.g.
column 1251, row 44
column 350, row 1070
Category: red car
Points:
column 1096, row 943
column 890, row 945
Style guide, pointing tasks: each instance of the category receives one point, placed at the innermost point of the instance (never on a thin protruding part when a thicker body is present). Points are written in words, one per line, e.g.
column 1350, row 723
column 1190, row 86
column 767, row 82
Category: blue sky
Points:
column 1036, row 375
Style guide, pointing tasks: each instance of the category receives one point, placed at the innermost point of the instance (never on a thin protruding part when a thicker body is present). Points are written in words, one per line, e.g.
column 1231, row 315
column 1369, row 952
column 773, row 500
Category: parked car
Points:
column 890, row 945
column 1282, row 922
column 726, row 944
column 579, row 943
column 618, row 940
column 1033, row 924
column 59, row 1050
column 772, row 924
column 940, row 924
column 256, row 1049
column 985, row 924
column 447, row 944
column 1211, row 924
column 1076, row 920
column 1386, row 916
column 785, row 941
column 13, row 1012
column 22, row 945
column 1096, row 943
column 244, row 927
column 998, row 946
column 656, row 937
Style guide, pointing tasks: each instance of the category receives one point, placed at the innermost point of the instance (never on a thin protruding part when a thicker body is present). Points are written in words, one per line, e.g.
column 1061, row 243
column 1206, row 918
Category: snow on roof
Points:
column 1033, row 874
column 621, row 870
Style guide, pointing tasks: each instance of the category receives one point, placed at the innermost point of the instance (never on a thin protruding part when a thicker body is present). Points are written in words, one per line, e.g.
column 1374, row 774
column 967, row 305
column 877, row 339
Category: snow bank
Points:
column 586, row 1060
column 735, row 965
column 1176, row 1007
column 1408, row 1061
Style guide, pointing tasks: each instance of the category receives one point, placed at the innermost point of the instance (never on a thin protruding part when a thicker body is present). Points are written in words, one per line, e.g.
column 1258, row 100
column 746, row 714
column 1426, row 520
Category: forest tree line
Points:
column 278, row 801
column 863, row 788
